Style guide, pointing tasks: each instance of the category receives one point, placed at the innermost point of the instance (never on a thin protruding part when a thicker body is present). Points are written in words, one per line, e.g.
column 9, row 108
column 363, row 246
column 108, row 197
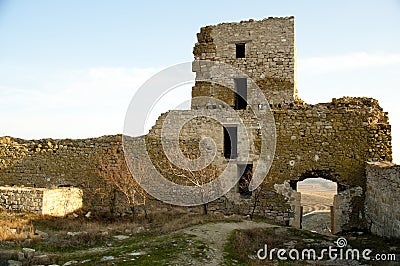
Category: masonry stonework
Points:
column 382, row 203
column 51, row 163
column 331, row 140
column 21, row 199
column 53, row 202
column 270, row 55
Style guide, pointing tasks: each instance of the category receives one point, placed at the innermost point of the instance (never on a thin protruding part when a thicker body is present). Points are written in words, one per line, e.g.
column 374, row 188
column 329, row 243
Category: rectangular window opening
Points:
column 241, row 93
column 240, row 50
column 230, row 142
column 246, row 172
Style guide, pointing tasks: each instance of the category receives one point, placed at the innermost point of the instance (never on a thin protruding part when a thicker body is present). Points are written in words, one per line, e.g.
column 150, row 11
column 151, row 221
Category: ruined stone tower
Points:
column 264, row 50
column 331, row 140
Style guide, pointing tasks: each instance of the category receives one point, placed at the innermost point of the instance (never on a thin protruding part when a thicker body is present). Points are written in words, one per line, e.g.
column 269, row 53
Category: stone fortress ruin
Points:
column 347, row 141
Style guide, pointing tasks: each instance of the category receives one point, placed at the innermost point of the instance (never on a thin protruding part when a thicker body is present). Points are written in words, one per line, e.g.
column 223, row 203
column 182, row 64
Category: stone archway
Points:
column 316, row 200
column 341, row 209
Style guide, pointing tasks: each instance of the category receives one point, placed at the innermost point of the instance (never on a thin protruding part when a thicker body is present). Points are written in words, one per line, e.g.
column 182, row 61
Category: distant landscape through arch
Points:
column 317, row 195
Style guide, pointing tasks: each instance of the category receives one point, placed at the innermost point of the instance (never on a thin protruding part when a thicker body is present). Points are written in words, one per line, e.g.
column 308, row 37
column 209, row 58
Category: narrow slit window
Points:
column 240, row 50
column 246, row 173
column 241, row 94
column 230, row 142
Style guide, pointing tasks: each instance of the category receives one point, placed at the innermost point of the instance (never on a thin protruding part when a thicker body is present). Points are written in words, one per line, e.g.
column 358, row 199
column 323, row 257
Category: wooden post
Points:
column 301, row 217
column 332, row 220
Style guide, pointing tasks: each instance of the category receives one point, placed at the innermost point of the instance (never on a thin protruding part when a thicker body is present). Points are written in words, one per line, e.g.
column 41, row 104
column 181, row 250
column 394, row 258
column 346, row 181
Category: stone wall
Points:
column 346, row 205
column 334, row 139
column 21, row 199
column 61, row 201
column 85, row 164
column 53, row 202
column 382, row 203
column 49, row 163
column 330, row 140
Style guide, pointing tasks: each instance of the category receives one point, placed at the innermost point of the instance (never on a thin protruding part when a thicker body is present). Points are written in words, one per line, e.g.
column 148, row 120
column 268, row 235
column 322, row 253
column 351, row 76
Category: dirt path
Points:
column 215, row 235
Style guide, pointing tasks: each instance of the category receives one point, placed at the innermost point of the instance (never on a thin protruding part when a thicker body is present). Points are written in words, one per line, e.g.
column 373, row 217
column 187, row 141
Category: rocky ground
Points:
column 178, row 240
column 215, row 236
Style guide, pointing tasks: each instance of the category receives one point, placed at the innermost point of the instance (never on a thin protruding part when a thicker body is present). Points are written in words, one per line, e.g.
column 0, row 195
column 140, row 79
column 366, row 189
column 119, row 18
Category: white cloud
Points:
column 74, row 103
column 352, row 61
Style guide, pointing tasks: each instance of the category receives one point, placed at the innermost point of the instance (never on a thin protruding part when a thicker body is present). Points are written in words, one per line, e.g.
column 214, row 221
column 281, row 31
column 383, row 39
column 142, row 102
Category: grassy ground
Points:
column 243, row 245
column 163, row 239
column 123, row 241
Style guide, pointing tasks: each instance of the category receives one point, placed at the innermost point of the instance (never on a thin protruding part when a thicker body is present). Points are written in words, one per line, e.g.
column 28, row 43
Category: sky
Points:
column 68, row 69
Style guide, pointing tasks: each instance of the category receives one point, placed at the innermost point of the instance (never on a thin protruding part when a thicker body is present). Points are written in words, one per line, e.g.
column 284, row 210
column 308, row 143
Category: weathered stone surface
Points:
column 41, row 260
column 54, row 201
column 121, row 237
column 72, row 262
column 382, row 201
column 28, row 253
column 269, row 56
column 14, row 263
column 41, row 234
column 21, row 256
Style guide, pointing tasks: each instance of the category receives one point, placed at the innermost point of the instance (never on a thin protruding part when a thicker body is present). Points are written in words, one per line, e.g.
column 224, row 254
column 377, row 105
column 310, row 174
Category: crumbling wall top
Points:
column 264, row 50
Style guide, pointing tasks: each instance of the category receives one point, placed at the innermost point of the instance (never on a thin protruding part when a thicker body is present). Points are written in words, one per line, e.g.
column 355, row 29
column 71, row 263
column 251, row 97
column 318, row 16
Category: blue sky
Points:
column 70, row 68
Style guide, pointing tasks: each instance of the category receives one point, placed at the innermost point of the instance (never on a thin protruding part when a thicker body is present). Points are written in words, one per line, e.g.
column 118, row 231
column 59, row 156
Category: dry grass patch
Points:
column 51, row 234
column 15, row 226
column 244, row 244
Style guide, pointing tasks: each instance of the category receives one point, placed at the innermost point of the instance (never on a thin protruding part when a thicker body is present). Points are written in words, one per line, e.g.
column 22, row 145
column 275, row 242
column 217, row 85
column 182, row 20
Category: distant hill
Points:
column 316, row 185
